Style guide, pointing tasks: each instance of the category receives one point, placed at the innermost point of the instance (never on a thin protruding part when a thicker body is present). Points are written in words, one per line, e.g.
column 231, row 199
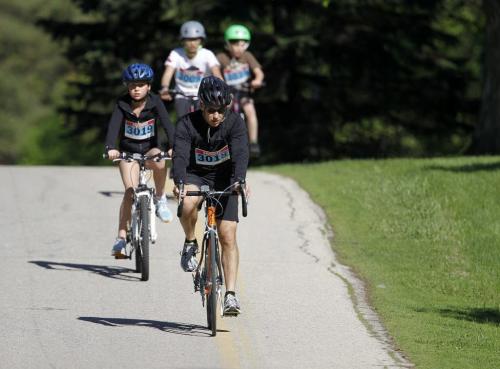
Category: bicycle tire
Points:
column 135, row 245
column 138, row 259
column 212, row 297
column 144, row 237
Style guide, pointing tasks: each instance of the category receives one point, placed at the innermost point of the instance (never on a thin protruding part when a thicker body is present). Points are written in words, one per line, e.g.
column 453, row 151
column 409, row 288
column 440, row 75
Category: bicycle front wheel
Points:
column 142, row 256
column 213, row 296
column 138, row 257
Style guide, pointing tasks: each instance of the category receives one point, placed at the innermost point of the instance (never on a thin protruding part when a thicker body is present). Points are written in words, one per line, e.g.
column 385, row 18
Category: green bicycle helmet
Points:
column 237, row 32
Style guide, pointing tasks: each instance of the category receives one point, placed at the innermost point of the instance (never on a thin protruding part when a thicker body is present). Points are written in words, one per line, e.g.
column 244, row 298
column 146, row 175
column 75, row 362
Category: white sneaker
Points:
column 162, row 210
column 188, row 256
column 119, row 250
column 231, row 305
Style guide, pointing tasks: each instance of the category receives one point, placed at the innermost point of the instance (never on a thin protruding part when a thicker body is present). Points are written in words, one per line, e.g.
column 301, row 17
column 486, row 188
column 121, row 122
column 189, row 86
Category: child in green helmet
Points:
column 242, row 72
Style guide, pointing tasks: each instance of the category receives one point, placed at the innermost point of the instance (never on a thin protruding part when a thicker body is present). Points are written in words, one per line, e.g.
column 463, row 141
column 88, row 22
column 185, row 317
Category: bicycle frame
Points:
column 236, row 104
column 209, row 248
column 192, row 99
column 208, row 277
column 142, row 190
column 142, row 228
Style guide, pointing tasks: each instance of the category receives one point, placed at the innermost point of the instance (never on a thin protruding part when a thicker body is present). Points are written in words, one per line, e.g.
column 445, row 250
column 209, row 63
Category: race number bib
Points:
column 212, row 157
column 139, row 130
column 237, row 74
column 188, row 78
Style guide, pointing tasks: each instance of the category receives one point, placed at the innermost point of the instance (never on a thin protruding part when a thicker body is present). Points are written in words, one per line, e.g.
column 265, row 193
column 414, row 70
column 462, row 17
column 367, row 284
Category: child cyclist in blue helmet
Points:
column 138, row 108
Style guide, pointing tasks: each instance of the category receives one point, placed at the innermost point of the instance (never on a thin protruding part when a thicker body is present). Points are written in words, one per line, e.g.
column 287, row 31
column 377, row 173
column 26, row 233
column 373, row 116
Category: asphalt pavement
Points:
column 66, row 303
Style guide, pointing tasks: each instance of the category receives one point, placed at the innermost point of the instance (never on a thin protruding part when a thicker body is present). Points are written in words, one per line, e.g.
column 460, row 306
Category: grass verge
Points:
column 425, row 236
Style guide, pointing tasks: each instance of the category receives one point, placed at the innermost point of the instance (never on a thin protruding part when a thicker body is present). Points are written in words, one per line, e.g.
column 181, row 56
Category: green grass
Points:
column 425, row 236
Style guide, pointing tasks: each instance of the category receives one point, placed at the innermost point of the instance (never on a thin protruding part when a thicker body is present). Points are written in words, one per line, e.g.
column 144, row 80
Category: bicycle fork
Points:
column 202, row 280
column 151, row 213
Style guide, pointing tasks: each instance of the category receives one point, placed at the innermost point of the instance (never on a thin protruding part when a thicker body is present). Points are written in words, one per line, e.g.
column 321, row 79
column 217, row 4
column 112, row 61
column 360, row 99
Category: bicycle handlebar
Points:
column 178, row 92
column 213, row 193
column 139, row 157
column 245, row 87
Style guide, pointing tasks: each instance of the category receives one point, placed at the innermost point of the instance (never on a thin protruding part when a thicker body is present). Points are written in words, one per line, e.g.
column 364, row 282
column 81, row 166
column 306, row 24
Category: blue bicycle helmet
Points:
column 138, row 72
column 214, row 92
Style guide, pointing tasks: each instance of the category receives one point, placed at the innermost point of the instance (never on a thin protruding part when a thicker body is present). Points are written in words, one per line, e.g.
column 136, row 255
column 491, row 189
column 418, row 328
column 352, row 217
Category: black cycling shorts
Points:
column 227, row 208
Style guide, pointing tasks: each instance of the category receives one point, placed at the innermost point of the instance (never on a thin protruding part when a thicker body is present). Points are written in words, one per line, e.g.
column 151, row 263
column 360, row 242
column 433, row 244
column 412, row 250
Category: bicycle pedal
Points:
column 231, row 314
column 197, row 281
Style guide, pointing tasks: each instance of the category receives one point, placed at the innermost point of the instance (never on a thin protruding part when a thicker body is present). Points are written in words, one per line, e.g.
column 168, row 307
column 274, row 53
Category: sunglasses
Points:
column 212, row 110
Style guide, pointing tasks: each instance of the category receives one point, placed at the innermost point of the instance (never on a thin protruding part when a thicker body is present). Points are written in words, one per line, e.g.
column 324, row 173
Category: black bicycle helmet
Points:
column 138, row 72
column 214, row 92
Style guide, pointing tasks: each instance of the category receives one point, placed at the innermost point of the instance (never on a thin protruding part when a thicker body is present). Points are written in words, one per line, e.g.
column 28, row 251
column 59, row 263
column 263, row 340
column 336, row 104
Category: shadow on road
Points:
column 169, row 327
column 104, row 270
column 112, row 193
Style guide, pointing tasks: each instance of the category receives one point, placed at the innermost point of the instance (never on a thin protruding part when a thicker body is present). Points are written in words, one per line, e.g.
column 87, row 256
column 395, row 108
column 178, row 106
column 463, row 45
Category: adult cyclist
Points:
column 211, row 148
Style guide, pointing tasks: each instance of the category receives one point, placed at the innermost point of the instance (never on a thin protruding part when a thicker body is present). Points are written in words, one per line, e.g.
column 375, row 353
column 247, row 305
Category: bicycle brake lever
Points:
column 180, row 201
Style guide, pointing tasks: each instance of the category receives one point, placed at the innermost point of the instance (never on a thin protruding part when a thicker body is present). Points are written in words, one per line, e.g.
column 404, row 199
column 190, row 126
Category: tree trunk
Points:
column 487, row 135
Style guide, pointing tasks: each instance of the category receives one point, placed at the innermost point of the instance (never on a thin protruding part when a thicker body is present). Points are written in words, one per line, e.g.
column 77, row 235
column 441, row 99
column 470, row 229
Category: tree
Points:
column 487, row 135
column 344, row 78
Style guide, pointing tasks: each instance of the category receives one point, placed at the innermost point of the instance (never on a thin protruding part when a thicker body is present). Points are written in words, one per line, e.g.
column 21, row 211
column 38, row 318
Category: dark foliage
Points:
column 344, row 78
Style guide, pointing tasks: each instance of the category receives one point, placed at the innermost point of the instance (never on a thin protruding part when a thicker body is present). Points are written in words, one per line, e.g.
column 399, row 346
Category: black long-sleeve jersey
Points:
column 220, row 152
column 138, row 134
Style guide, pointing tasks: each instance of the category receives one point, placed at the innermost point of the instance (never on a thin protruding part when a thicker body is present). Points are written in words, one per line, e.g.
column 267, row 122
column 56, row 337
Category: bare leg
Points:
column 130, row 177
column 230, row 252
column 159, row 172
column 252, row 123
column 190, row 213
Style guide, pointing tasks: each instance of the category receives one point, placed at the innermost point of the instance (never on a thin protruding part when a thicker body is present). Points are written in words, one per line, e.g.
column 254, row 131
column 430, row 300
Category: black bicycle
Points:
column 142, row 228
column 208, row 276
column 192, row 99
column 240, row 92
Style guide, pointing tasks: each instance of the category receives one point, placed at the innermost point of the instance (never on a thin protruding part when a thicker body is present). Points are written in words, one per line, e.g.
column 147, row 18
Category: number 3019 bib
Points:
column 139, row 130
column 212, row 157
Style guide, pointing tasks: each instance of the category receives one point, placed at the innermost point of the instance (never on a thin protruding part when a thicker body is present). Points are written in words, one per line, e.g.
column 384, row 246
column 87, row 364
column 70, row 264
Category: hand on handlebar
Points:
column 246, row 188
column 165, row 94
column 178, row 193
column 113, row 154
column 256, row 84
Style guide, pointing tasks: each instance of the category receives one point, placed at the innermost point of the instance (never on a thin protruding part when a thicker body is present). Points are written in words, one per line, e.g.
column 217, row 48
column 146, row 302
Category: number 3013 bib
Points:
column 139, row 130
column 212, row 157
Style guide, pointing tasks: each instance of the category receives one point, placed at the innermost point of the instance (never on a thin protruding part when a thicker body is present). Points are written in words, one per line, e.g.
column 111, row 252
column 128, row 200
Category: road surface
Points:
column 67, row 304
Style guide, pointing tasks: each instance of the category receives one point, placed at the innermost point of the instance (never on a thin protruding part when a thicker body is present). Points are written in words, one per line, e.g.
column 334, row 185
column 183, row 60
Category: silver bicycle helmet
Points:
column 192, row 29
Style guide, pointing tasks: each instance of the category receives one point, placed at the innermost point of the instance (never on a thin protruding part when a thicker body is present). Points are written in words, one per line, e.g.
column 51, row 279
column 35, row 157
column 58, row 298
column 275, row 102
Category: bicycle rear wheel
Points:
column 142, row 252
column 212, row 297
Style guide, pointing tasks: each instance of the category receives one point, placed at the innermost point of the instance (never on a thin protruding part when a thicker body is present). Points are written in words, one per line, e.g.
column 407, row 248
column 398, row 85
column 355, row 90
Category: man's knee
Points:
column 190, row 207
column 227, row 233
